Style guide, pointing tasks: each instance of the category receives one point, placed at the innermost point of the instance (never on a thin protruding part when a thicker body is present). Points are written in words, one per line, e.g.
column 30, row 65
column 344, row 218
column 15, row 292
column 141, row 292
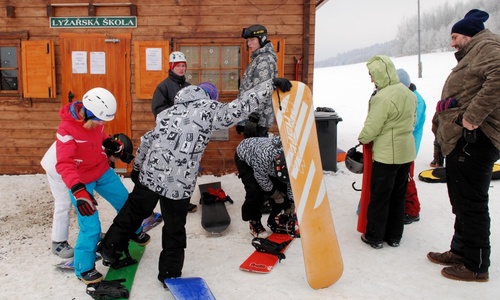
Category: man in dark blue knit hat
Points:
column 467, row 126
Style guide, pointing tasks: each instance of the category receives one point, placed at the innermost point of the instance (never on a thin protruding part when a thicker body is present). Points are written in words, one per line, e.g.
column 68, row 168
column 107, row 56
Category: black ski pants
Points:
column 255, row 195
column 386, row 209
column 140, row 205
column 468, row 176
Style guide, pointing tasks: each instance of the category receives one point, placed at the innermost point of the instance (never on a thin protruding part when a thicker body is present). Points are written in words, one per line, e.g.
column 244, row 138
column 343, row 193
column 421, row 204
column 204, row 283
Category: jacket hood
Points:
column 267, row 48
column 191, row 93
column 70, row 112
column 382, row 71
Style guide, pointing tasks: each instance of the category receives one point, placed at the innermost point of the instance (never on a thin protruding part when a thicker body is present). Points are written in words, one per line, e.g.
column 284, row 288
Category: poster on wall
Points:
column 97, row 63
column 153, row 59
column 79, row 62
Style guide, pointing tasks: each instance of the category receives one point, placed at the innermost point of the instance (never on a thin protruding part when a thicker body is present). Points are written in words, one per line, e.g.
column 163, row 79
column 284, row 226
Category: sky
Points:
column 343, row 25
column 27, row 266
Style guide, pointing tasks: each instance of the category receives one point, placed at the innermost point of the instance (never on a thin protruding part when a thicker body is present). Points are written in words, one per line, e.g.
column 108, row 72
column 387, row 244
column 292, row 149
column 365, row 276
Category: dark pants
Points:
column 387, row 202
column 254, row 195
column 140, row 205
column 468, row 176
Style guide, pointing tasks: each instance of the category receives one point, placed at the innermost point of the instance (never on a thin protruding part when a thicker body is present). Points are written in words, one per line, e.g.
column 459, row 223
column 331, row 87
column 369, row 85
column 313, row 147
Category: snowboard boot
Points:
column 192, row 208
column 151, row 221
column 91, row 276
column 257, row 230
column 141, row 239
column 62, row 249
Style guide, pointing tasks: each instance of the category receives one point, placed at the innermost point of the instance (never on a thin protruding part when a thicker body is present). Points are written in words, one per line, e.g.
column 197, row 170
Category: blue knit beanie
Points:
column 472, row 23
column 210, row 89
column 404, row 78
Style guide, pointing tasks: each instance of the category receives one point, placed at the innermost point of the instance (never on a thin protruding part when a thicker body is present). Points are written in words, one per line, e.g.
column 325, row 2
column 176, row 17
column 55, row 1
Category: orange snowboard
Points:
column 296, row 122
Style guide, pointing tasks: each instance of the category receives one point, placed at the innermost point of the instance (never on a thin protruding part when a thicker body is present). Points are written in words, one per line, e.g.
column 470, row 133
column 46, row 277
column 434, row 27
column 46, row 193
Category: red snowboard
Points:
column 261, row 262
column 365, row 187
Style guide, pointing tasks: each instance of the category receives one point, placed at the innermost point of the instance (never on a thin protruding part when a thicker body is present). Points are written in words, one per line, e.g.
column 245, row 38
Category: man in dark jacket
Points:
column 467, row 126
column 165, row 92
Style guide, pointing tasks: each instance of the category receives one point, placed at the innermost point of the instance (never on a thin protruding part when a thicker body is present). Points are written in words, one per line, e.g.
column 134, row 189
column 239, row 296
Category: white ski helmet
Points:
column 177, row 56
column 101, row 103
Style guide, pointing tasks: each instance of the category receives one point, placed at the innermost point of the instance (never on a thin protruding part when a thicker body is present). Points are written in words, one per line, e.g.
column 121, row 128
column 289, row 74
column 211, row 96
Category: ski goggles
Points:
column 90, row 116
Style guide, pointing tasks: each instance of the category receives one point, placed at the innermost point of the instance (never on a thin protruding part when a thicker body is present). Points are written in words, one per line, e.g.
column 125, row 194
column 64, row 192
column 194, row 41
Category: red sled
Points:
column 365, row 187
column 260, row 262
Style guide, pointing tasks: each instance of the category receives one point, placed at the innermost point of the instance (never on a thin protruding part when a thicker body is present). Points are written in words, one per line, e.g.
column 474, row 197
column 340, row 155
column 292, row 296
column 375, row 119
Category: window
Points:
column 218, row 64
column 9, row 68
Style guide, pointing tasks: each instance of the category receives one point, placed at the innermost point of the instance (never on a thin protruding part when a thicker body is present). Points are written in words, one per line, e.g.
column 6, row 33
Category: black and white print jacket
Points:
column 259, row 154
column 169, row 155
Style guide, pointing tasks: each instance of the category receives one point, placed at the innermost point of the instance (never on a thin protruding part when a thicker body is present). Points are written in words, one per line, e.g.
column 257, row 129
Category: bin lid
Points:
column 323, row 115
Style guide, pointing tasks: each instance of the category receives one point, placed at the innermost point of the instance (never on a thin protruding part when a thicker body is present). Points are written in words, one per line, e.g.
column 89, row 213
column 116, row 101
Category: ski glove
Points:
column 278, row 197
column 251, row 125
column 446, row 104
column 85, row 202
column 113, row 147
column 134, row 176
column 282, row 83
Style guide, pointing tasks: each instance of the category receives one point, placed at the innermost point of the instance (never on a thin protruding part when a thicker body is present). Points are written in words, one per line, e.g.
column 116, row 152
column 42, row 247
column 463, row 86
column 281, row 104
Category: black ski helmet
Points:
column 128, row 147
column 257, row 31
column 354, row 160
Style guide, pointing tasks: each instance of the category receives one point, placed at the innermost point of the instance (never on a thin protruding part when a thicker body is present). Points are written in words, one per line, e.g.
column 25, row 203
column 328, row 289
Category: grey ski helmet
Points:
column 354, row 160
column 257, row 31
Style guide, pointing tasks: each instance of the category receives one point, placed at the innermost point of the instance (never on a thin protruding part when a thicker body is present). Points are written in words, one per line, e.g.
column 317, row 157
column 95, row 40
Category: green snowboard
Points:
column 128, row 272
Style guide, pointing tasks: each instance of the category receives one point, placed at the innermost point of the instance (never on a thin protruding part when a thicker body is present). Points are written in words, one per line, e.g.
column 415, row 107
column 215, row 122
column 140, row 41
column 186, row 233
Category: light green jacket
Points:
column 391, row 115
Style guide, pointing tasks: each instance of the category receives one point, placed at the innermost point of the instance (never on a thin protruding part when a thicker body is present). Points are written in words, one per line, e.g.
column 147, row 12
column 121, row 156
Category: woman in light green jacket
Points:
column 389, row 126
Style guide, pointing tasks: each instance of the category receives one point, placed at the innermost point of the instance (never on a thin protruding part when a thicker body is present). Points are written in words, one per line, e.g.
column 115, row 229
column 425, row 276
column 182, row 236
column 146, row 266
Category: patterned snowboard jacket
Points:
column 169, row 155
column 263, row 67
column 259, row 154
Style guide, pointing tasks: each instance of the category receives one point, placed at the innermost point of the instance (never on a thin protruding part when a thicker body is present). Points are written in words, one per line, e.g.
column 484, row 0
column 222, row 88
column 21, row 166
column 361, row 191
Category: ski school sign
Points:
column 93, row 22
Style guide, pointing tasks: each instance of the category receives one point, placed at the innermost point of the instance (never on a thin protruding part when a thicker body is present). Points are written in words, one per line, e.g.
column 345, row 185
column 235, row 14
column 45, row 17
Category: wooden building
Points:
column 54, row 51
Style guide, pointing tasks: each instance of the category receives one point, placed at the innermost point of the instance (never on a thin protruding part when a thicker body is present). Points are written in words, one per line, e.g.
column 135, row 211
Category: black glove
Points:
column 85, row 202
column 250, row 129
column 113, row 147
column 134, row 176
column 282, row 83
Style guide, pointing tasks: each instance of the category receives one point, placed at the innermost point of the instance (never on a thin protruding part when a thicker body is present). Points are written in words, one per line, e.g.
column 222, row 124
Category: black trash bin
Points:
column 326, row 126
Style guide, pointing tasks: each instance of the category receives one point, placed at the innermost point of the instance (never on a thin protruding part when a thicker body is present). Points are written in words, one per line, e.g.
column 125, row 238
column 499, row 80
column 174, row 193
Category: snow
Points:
column 27, row 264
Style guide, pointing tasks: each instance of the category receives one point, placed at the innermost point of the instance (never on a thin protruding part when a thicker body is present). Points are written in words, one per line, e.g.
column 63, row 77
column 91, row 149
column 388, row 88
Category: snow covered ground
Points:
column 27, row 268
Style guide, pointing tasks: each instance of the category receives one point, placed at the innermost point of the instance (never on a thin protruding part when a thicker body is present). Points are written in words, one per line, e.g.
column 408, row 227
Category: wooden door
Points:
column 99, row 60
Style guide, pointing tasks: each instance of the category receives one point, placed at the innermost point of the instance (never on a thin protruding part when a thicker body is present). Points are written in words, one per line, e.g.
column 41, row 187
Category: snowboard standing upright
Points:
column 214, row 216
column 296, row 122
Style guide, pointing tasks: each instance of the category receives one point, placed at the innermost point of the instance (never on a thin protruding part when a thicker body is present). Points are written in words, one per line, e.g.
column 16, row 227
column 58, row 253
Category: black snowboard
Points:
column 214, row 215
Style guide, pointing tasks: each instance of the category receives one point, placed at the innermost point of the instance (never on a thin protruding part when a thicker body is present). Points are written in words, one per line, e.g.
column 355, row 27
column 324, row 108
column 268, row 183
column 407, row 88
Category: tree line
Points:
column 435, row 30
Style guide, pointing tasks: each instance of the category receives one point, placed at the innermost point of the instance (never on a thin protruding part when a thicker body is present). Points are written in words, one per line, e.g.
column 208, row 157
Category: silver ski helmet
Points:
column 354, row 160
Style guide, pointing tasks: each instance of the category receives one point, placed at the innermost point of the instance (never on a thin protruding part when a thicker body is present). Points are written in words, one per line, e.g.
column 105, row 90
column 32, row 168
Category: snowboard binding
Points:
column 285, row 223
column 112, row 289
column 114, row 260
column 267, row 246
